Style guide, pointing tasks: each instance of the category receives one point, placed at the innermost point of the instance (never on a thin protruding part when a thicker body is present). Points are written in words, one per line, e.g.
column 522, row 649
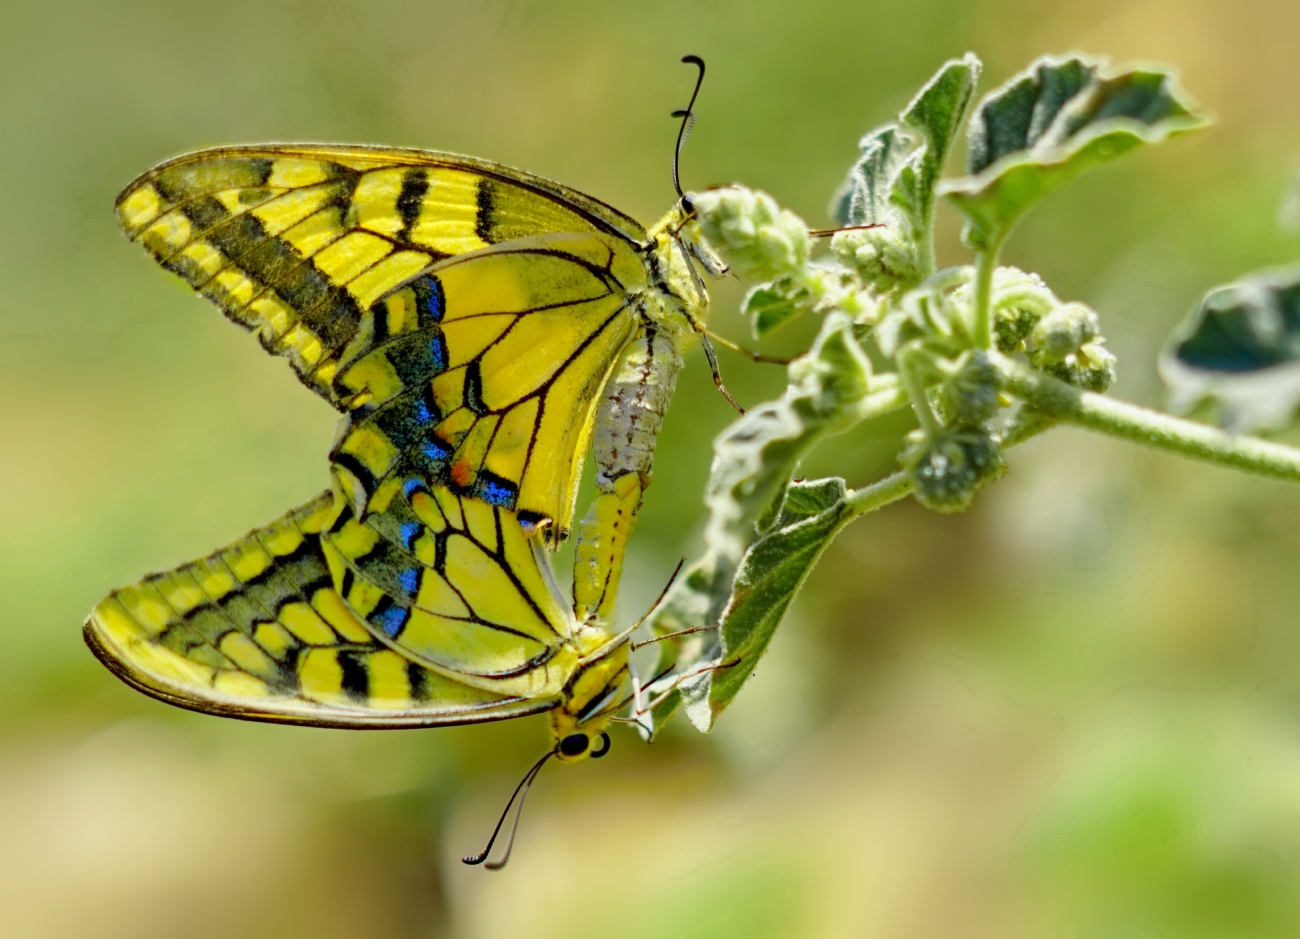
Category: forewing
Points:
column 484, row 373
column 257, row 631
column 295, row 242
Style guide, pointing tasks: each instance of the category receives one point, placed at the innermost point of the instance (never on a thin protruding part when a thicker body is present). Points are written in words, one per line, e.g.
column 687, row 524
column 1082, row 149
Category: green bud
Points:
column 1020, row 300
column 759, row 240
column 884, row 260
column 948, row 470
column 1092, row 368
column 970, row 394
column 1062, row 333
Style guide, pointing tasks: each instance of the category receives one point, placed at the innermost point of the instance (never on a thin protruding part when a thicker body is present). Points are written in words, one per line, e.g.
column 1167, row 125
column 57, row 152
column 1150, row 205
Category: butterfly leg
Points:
column 712, row 358
column 747, row 353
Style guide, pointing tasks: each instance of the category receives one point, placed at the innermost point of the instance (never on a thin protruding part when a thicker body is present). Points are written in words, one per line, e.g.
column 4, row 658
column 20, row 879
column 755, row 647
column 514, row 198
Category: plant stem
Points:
column 878, row 494
column 985, row 264
column 910, row 363
column 1161, row 431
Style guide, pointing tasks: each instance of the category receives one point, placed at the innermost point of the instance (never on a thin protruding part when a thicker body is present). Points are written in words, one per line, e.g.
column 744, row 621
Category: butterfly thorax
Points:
column 593, row 694
column 674, row 259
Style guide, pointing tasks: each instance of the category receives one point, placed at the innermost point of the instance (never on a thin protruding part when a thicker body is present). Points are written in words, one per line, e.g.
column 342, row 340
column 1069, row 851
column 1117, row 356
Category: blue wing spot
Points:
column 496, row 491
column 436, row 302
column 435, row 451
column 410, row 580
column 421, row 413
column 432, row 301
column 437, row 351
column 410, row 531
column 412, row 486
column 391, row 620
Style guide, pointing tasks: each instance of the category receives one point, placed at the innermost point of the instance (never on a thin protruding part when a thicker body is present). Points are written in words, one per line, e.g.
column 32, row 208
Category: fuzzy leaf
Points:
column 771, row 573
column 748, row 493
column 1052, row 122
column 863, row 199
column 1241, row 349
column 937, row 113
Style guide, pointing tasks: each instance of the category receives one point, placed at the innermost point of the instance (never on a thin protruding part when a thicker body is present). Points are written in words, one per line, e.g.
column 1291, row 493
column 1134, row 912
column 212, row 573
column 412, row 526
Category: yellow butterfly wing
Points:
column 295, row 242
column 257, row 631
column 485, row 372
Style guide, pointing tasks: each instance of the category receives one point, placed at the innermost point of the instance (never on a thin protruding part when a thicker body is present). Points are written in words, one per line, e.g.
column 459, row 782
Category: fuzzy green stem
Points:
column 878, row 495
column 911, row 363
column 1119, row 419
column 986, row 263
column 925, row 243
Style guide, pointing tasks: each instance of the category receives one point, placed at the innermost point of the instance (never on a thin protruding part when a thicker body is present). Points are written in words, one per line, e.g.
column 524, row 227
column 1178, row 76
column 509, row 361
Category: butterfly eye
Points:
column 688, row 205
column 574, row 744
column 604, row 747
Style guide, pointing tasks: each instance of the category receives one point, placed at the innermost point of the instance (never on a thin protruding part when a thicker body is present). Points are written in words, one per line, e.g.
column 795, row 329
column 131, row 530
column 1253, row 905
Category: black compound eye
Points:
column 688, row 204
column 604, row 747
column 574, row 744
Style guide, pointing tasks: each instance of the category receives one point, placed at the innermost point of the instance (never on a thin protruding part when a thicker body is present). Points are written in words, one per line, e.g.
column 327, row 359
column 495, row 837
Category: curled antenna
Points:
column 521, row 791
column 688, row 121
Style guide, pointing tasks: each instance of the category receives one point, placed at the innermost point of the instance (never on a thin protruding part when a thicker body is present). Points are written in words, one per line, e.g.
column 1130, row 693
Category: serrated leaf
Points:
column 1241, row 349
column 1050, row 123
column 770, row 574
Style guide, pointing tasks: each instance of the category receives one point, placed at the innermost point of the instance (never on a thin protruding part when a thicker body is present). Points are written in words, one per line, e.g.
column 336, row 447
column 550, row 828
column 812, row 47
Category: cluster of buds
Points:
column 1067, row 344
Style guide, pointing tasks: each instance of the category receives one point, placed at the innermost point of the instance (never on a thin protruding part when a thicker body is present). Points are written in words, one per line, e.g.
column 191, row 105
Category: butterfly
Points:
column 476, row 325
column 480, row 329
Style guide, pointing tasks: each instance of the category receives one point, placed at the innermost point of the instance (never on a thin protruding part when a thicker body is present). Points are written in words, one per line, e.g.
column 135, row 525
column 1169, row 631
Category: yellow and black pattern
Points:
column 295, row 242
column 257, row 631
column 485, row 373
column 456, row 584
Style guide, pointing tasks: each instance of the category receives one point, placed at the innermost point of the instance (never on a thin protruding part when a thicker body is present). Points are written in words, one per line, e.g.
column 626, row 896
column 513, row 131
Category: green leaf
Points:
column 936, row 113
column 773, row 304
column 747, row 494
column 1241, row 349
column 863, row 199
column 770, row 574
column 893, row 182
column 1050, row 123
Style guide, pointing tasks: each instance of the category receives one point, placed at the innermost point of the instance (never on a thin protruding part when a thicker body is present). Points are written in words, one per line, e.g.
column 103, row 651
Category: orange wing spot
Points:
column 469, row 457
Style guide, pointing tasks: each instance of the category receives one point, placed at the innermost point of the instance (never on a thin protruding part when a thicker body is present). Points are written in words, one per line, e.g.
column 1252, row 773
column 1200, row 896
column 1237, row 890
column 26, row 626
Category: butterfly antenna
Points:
column 688, row 121
column 521, row 792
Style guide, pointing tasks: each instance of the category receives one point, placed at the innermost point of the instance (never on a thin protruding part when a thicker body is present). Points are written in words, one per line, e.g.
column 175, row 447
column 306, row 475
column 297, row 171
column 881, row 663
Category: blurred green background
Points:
column 1073, row 711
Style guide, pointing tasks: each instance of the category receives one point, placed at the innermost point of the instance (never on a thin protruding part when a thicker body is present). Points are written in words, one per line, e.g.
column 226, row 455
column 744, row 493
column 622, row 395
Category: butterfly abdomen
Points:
column 627, row 425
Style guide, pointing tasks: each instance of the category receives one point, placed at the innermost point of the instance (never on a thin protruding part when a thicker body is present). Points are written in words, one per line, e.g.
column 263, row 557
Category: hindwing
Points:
column 295, row 242
column 455, row 584
column 258, row 631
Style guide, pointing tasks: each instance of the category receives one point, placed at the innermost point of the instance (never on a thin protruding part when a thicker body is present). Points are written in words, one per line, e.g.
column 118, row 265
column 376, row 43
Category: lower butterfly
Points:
column 440, row 610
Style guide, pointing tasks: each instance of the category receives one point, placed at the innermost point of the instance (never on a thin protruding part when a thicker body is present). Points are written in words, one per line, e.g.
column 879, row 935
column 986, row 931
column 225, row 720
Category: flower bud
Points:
column 758, row 239
column 1062, row 332
column 970, row 394
column 879, row 256
column 948, row 470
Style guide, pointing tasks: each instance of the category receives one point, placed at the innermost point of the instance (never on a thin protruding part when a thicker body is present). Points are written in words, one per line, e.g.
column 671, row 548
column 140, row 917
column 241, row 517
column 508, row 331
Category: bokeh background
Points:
column 1073, row 711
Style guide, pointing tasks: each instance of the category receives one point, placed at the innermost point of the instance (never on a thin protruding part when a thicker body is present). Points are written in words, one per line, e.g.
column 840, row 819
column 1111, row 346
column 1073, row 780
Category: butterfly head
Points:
column 593, row 695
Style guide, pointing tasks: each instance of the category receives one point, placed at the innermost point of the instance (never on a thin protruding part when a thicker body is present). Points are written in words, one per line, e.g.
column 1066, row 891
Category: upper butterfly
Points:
column 476, row 324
